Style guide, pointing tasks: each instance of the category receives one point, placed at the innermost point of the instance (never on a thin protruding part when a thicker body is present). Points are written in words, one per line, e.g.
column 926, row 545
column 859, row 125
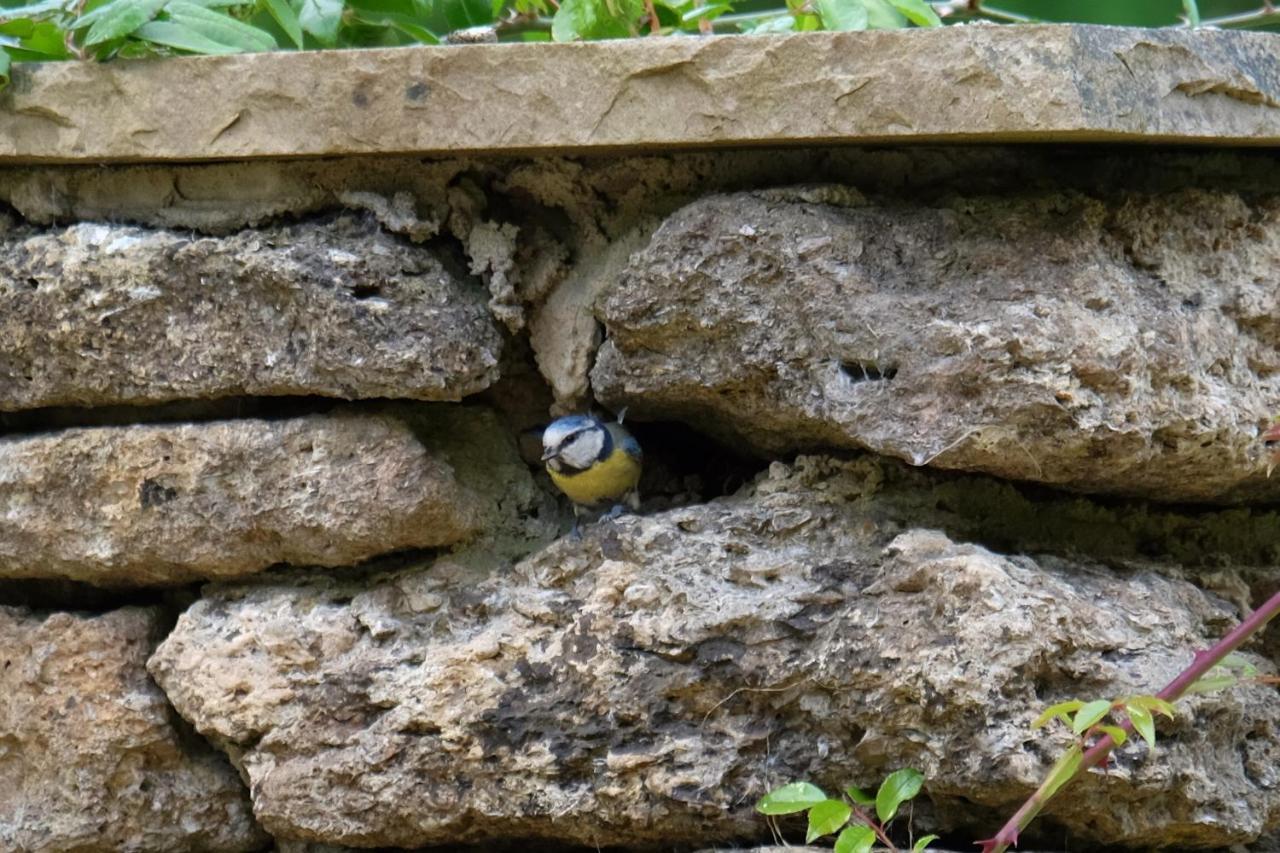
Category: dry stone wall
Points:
column 936, row 437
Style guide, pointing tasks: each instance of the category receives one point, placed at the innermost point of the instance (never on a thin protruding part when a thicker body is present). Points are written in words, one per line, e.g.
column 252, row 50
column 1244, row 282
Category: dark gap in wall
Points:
column 53, row 595
column 683, row 466
column 54, row 418
column 361, row 575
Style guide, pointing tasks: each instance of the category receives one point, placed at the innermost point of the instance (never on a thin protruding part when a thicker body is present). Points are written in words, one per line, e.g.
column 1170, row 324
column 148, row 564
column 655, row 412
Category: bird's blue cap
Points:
column 561, row 428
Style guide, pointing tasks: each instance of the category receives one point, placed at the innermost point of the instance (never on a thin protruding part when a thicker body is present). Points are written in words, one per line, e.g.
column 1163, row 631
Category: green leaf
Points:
column 462, row 14
column 1192, row 10
column 1143, row 723
column 1059, row 711
column 826, row 817
column 1063, row 771
column 403, row 23
column 592, row 19
column 923, row 842
column 882, row 16
column 901, row 786
column 843, row 14
column 31, row 10
column 117, row 19
column 860, row 796
column 128, row 49
column 1151, row 703
column 779, row 24
column 1212, row 681
column 917, row 12
column 181, row 37
column 219, row 28
column 855, row 839
column 284, row 15
column 5, row 64
column 789, row 799
column 1118, row 734
column 1091, row 713
column 48, row 40
column 321, row 18
column 699, row 13
column 400, row 15
column 807, row 23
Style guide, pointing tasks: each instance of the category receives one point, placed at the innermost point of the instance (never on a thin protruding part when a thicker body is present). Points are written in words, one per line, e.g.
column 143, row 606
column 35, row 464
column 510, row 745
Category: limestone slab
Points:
column 170, row 503
column 1122, row 344
column 644, row 685
column 91, row 754
column 961, row 84
column 98, row 314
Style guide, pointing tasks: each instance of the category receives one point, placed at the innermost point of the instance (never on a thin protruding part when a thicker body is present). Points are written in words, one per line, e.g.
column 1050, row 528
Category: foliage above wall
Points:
column 49, row 30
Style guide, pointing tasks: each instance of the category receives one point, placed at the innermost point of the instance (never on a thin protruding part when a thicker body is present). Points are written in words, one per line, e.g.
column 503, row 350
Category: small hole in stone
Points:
column 866, row 371
column 366, row 291
column 33, row 284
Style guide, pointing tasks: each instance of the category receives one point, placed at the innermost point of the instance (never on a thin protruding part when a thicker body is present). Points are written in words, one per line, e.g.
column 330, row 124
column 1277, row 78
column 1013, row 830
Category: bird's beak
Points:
column 547, row 454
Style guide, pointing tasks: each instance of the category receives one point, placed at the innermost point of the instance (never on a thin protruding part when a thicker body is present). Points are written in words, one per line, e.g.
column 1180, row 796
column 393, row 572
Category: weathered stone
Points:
column 99, row 314
column 91, row 754
column 564, row 332
column 646, row 684
column 1030, row 83
column 167, row 503
column 1126, row 345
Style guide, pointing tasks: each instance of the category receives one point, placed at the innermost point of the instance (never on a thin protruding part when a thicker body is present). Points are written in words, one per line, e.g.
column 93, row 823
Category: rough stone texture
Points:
column 91, row 754
column 1126, row 345
column 646, row 684
column 564, row 332
column 170, row 503
column 959, row 84
column 99, row 314
column 406, row 195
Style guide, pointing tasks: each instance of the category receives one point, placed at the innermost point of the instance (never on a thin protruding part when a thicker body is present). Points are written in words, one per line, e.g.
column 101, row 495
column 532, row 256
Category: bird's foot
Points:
column 617, row 510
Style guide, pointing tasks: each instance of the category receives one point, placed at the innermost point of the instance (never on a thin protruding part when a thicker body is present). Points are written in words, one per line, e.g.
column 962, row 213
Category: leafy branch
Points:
column 848, row 814
column 1211, row 669
column 961, row 11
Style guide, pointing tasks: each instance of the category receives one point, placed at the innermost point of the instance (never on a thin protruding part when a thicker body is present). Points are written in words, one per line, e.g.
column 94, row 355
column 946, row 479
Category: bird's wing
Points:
column 626, row 441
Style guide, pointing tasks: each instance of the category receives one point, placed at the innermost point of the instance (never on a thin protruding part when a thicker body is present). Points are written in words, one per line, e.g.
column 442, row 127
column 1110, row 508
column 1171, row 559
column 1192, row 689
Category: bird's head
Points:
column 574, row 442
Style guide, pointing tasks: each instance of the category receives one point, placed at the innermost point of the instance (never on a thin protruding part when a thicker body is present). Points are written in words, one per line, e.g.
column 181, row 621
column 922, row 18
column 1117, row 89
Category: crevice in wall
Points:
column 51, row 419
column 684, row 466
column 44, row 596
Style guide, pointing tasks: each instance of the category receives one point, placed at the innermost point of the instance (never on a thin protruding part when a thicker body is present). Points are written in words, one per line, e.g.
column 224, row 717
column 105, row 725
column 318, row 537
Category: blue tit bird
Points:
column 592, row 462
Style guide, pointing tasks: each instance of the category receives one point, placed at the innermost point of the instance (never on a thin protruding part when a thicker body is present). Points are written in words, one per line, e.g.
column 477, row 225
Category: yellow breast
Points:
column 609, row 480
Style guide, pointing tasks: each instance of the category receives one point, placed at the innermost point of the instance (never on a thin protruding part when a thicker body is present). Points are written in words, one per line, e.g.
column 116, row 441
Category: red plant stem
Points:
column 876, row 827
column 1093, row 756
